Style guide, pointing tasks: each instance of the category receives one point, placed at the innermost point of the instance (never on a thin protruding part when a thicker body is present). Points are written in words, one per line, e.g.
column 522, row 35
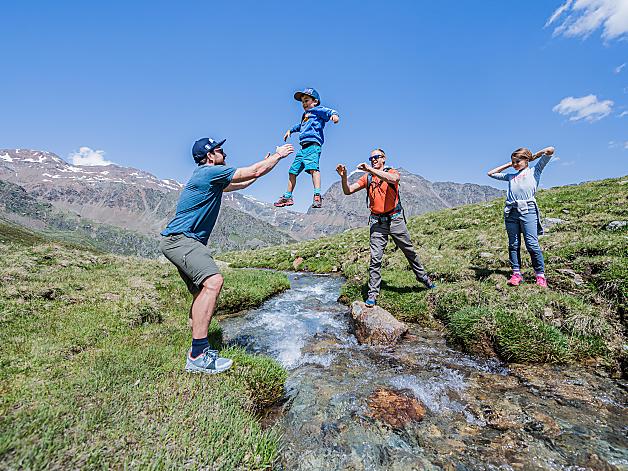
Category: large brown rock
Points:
column 395, row 408
column 375, row 325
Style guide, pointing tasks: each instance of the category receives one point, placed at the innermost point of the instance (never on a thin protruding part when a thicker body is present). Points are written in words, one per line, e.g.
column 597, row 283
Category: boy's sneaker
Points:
column 541, row 281
column 317, row 202
column 515, row 280
column 207, row 362
column 370, row 302
column 283, row 201
column 429, row 284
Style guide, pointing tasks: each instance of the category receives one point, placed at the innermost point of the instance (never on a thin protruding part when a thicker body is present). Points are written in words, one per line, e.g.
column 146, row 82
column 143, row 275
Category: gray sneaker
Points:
column 207, row 362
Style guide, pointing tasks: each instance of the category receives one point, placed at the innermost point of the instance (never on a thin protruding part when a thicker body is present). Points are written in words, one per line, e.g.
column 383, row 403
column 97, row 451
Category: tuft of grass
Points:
column 465, row 250
column 92, row 350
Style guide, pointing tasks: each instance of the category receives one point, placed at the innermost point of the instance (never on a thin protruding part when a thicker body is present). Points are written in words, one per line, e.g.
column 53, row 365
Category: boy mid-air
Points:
column 311, row 139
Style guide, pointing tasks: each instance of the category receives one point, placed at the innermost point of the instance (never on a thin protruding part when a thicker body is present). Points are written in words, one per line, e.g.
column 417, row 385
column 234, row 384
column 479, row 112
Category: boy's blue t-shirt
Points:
column 312, row 124
column 199, row 203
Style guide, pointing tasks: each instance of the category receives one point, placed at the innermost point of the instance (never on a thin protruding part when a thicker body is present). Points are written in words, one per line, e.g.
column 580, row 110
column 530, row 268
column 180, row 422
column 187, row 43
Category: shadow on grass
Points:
column 402, row 289
column 482, row 273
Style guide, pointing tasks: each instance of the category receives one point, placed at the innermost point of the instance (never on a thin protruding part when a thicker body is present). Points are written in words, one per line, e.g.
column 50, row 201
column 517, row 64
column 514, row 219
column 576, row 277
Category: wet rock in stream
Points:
column 395, row 408
column 376, row 326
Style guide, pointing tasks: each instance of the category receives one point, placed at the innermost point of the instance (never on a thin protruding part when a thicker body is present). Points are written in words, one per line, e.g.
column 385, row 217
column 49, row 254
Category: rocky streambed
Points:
column 420, row 404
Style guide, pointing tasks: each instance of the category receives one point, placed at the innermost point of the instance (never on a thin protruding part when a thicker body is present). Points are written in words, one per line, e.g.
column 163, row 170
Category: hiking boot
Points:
column 541, row 281
column 283, row 201
column 370, row 302
column 317, row 202
column 429, row 284
column 207, row 362
column 515, row 280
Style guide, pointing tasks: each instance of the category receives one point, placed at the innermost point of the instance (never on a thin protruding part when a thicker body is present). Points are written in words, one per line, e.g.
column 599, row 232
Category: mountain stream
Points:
column 422, row 405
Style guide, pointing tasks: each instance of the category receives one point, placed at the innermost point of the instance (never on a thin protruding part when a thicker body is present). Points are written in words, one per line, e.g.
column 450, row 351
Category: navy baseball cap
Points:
column 203, row 146
column 307, row 91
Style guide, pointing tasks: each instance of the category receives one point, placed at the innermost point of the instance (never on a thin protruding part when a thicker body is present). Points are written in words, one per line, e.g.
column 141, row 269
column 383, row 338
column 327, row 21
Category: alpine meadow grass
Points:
column 581, row 318
column 91, row 375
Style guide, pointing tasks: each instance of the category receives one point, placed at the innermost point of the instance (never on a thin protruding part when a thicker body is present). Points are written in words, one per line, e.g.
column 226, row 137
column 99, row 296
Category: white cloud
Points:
column 89, row 157
column 619, row 68
column 583, row 17
column 623, row 113
column 586, row 107
column 616, row 145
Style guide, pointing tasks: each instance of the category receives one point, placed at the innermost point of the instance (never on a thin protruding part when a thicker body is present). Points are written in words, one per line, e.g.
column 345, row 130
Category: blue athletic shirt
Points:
column 199, row 203
column 312, row 124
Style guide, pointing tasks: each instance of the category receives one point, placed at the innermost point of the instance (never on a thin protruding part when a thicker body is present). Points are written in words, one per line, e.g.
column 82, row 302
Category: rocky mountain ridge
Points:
column 124, row 197
column 140, row 202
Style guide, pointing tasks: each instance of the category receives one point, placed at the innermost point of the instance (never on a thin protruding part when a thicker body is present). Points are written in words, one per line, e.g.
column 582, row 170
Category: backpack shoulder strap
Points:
column 369, row 180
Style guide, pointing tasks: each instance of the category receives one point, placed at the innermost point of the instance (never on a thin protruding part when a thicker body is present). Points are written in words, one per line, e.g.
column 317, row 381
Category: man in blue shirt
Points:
column 185, row 239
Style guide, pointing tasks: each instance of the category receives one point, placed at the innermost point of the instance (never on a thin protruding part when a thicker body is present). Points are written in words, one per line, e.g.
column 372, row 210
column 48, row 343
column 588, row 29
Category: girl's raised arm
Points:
column 546, row 151
column 496, row 172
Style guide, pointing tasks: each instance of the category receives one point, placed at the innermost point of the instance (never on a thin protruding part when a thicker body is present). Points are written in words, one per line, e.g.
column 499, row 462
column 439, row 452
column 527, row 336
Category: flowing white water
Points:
column 479, row 414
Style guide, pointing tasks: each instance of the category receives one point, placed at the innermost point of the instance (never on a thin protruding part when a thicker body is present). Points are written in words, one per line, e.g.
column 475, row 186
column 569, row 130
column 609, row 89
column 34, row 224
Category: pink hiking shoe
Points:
column 541, row 281
column 515, row 280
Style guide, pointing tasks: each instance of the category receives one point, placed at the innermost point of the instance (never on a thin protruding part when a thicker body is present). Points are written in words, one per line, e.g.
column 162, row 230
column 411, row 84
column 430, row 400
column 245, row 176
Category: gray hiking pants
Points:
column 397, row 230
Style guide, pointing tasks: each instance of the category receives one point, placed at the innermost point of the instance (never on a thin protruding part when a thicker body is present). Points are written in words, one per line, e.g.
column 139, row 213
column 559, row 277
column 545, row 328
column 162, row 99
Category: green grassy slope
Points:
column 580, row 318
column 92, row 349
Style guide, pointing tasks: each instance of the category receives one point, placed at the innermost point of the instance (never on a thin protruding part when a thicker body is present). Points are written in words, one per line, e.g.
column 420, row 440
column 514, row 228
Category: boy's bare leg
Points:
column 292, row 182
column 316, row 181
column 286, row 198
column 316, row 178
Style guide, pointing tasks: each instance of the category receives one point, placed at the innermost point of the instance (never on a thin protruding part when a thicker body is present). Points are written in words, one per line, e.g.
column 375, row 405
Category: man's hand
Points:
column 335, row 118
column 285, row 150
column 342, row 170
column 363, row 166
column 286, row 135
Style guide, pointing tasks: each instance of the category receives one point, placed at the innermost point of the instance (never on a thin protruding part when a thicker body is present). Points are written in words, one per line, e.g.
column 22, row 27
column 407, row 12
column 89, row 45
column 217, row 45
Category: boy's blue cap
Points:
column 203, row 146
column 307, row 91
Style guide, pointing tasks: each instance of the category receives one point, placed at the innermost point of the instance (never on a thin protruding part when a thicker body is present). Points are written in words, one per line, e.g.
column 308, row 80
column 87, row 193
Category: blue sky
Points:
column 449, row 90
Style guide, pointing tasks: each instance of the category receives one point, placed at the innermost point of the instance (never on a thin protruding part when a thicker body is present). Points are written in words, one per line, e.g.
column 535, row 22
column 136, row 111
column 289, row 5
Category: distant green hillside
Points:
column 582, row 317
column 234, row 229
column 17, row 206
column 92, row 351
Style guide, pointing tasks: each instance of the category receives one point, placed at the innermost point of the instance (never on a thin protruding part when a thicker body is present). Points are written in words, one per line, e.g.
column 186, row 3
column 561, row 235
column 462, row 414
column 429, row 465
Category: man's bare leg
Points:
column 204, row 304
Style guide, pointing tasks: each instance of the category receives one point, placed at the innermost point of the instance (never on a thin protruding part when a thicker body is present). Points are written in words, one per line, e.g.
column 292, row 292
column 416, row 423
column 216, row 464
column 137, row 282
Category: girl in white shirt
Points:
column 521, row 213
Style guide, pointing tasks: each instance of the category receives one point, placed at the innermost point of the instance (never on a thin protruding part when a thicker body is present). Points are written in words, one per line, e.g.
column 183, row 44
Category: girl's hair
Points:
column 522, row 153
column 379, row 149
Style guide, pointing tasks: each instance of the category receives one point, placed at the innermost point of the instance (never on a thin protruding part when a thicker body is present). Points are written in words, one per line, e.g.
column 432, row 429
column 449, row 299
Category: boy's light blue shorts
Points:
column 306, row 159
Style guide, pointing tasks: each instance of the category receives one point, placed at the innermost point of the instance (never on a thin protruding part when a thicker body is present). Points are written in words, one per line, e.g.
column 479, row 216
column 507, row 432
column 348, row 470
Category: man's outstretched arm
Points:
column 239, row 186
column 346, row 188
column 253, row 172
column 388, row 177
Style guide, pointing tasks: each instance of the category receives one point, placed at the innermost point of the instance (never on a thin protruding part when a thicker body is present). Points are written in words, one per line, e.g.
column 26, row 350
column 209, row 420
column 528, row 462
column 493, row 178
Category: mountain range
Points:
column 110, row 206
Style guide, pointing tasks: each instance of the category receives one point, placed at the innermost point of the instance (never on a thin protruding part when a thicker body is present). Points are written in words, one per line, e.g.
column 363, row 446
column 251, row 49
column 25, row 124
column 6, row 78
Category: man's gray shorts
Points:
column 191, row 257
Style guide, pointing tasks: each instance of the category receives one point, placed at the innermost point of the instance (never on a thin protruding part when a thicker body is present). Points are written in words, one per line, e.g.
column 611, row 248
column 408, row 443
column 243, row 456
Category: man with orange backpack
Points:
column 387, row 218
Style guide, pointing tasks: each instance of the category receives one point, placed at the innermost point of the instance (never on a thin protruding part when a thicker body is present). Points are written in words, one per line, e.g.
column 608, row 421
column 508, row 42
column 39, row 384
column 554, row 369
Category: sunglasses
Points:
column 375, row 157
